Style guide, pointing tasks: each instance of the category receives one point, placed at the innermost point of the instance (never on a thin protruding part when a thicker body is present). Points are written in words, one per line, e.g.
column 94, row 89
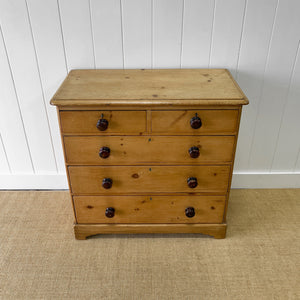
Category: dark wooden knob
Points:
column 102, row 124
column 190, row 212
column 192, row 182
column 104, row 152
column 194, row 152
column 107, row 183
column 196, row 122
column 109, row 212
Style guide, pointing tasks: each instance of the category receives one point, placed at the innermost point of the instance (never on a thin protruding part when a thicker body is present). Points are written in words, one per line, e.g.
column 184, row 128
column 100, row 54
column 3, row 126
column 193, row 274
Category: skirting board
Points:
column 59, row 181
column 33, row 182
column 265, row 180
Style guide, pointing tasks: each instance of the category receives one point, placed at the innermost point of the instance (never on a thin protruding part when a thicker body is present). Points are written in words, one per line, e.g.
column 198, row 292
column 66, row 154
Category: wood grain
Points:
column 81, row 122
column 82, row 231
column 105, row 87
column 213, row 121
column 148, row 179
column 64, row 153
column 149, row 209
column 154, row 164
column 134, row 150
column 165, row 105
column 232, row 166
column 198, row 20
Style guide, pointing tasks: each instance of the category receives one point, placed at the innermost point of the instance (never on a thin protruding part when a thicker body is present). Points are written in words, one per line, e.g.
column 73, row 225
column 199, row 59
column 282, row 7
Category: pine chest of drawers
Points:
column 149, row 151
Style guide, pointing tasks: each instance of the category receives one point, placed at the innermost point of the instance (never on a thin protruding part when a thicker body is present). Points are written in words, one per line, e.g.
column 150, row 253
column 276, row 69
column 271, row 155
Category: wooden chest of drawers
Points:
column 149, row 151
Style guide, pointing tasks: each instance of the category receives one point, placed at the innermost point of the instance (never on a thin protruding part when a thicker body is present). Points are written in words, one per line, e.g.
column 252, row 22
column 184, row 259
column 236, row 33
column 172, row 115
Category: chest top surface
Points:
column 149, row 87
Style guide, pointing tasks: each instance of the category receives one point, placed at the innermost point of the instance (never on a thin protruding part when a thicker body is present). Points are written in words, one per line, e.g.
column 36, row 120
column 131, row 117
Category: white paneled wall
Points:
column 258, row 41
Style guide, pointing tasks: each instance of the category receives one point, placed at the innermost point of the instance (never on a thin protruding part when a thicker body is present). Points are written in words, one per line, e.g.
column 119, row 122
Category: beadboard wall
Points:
column 258, row 41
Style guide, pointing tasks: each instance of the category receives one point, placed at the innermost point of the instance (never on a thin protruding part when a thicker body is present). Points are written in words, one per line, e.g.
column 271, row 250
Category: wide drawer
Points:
column 85, row 122
column 149, row 209
column 179, row 122
column 148, row 179
column 114, row 150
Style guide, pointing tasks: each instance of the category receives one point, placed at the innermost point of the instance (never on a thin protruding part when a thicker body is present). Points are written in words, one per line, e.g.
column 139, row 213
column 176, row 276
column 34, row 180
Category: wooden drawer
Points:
column 178, row 122
column 148, row 179
column 149, row 209
column 85, row 122
column 133, row 150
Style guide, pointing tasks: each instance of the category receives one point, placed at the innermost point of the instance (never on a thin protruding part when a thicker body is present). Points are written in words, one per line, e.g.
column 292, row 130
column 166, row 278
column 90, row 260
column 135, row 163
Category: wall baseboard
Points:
column 265, row 180
column 33, row 181
column 59, row 181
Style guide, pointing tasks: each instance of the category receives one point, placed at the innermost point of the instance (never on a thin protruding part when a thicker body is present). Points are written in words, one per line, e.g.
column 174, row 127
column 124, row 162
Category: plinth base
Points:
column 82, row 231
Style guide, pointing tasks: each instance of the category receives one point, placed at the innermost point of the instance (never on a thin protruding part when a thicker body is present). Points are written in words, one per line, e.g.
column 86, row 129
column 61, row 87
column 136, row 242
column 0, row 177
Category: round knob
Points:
column 190, row 212
column 107, row 183
column 102, row 124
column 194, row 152
column 104, row 152
column 196, row 122
column 192, row 182
column 109, row 212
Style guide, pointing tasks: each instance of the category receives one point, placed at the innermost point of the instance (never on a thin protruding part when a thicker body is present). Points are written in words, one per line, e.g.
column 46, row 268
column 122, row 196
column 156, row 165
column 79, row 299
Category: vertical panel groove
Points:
column 41, row 84
column 212, row 33
column 167, row 33
column 242, row 31
column 298, row 155
column 122, row 32
column 298, row 158
column 4, row 150
column 257, row 40
column 17, row 99
column 262, row 85
column 92, row 33
column 285, row 103
column 62, row 35
column 182, row 24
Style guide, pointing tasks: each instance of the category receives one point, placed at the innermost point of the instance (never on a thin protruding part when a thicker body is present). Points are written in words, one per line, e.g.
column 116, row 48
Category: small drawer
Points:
column 102, row 122
column 148, row 179
column 134, row 150
column 195, row 122
column 149, row 209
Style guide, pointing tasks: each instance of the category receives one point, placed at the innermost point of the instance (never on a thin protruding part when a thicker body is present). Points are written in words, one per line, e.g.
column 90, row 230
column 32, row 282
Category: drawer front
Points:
column 85, row 122
column 211, row 121
column 114, row 150
column 148, row 179
column 149, row 209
